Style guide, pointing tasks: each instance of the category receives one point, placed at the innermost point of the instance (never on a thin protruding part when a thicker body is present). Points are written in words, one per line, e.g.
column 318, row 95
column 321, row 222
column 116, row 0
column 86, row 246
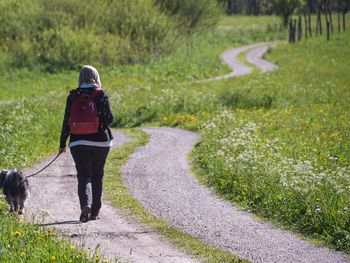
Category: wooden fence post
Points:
column 344, row 21
column 290, row 31
column 300, row 30
column 320, row 22
column 328, row 30
column 310, row 29
column 330, row 19
column 306, row 27
column 294, row 29
column 317, row 25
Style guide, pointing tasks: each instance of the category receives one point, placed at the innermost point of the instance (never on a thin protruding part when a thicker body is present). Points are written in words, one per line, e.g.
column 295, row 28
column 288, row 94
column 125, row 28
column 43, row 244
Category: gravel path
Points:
column 255, row 56
column 54, row 203
column 158, row 176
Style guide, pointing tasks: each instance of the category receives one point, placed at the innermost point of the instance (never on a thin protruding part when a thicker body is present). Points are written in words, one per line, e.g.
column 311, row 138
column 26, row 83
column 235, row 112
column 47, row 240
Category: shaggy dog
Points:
column 15, row 188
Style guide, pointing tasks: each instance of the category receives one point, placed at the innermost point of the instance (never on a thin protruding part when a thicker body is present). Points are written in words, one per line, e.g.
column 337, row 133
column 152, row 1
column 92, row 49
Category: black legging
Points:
column 90, row 162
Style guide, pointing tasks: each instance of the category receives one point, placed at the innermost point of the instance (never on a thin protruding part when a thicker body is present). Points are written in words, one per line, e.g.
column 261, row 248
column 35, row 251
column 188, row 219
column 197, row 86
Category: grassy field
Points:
column 280, row 148
column 276, row 144
column 23, row 242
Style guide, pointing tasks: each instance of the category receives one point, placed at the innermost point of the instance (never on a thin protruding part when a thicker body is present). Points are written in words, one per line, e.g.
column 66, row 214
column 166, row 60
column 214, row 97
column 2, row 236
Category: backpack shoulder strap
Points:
column 97, row 91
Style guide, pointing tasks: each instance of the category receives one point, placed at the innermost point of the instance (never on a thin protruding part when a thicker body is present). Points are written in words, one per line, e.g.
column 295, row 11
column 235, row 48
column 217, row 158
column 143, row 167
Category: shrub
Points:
column 66, row 33
column 191, row 13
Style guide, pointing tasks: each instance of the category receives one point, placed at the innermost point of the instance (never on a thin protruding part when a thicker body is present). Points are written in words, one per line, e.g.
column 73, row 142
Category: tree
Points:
column 249, row 7
column 284, row 8
column 307, row 7
column 343, row 6
column 253, row 7
column 231, row 7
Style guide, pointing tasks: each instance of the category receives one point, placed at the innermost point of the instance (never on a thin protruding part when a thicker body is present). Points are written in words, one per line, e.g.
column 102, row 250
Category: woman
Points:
column 89, row 147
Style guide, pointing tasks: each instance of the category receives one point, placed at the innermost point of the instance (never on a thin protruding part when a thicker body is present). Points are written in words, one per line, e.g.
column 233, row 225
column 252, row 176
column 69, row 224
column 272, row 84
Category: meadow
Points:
column 280, row 146
column 24, row 242
column 275, row 144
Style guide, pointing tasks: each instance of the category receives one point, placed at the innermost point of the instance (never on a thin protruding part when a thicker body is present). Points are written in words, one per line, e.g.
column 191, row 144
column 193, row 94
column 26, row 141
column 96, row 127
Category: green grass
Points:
column 249, row 22
column 21, row 241
column 117, row 193
column 289, row 161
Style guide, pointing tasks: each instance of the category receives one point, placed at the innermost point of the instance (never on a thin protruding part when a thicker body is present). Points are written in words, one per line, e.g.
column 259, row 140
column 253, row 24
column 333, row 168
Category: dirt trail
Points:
column 54, row 203
column 255, row 57
column 158, row 176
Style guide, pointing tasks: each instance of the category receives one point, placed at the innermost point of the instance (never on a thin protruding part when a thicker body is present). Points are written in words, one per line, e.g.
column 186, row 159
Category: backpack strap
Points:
column 97, row 91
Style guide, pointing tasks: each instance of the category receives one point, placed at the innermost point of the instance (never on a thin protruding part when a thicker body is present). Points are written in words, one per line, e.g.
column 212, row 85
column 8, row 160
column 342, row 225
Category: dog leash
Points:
column 42, row 169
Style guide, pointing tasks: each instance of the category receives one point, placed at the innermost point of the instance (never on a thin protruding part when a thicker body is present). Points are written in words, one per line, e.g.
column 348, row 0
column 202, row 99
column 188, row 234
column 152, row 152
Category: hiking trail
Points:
column 255, row 56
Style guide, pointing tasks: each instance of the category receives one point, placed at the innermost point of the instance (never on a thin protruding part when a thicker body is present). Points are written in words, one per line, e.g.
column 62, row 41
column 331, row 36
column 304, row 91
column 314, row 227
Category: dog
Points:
column 15, row 188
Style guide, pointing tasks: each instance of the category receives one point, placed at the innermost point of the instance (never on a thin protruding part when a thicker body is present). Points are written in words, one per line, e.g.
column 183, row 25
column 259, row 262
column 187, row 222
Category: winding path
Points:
column 159, row 176
column 54, row 203
column 255, row 57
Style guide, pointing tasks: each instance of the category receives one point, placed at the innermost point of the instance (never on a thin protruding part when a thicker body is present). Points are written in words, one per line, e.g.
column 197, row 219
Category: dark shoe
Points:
column 93, row 217
column 85, row 214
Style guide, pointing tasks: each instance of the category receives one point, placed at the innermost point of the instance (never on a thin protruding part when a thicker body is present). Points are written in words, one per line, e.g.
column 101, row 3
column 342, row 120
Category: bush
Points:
column 191, row 13
column 67, row 33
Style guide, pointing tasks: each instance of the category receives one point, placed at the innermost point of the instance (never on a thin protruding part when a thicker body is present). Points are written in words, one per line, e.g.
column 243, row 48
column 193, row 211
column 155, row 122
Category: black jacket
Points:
column 104, row 112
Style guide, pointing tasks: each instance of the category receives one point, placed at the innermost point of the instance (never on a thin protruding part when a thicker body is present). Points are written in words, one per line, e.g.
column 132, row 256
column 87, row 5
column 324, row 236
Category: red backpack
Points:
column 83, row 117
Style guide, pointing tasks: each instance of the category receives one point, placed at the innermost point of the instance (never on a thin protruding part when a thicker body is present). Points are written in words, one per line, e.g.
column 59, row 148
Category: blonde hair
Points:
column 89, row 75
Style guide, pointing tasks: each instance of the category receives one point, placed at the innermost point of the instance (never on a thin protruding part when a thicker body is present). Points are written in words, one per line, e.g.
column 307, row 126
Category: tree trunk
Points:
column 285, row 21
column 229, row 9
column 320, row 22
column 291, row 31
column 327, row 24
column 317, row 25
column 257, row 7
column 300, row 30
column 330, row 19
column 306, row 27
column 294, row 29
column 344, row 21
column 328, row 30
column 235, row 7
column 310, row 30
column 339, row 26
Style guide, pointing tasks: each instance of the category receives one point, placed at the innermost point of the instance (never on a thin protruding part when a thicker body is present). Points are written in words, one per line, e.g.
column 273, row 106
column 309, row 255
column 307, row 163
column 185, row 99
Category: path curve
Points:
column 54, row 202
column 255, row 57
column 159, row 176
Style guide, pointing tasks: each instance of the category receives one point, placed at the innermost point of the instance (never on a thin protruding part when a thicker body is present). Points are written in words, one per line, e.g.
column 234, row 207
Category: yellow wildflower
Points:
column 53, row 258
column 23, row 254
column 51, row 232
column 18, row 234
